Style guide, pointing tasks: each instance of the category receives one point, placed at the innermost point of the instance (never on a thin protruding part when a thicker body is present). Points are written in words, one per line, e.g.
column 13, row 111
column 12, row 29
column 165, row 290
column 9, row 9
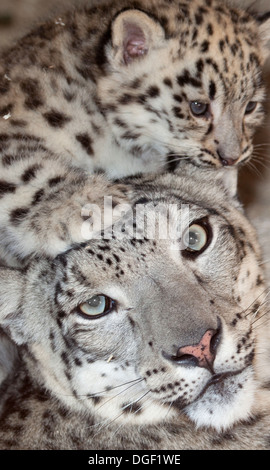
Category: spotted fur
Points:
column 80, row 95
column 117, row 381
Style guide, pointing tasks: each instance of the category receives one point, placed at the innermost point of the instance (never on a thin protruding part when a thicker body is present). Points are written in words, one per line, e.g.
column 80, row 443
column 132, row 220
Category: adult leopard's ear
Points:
column 264, row 32
column 11, row 293
column 225, row 179
column 228, row 178
column 134, row 34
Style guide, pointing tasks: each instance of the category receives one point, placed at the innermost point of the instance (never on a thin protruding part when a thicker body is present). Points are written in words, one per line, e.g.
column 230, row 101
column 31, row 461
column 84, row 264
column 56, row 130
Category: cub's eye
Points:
column 96, row 307
column 197, row 238
column 199, row 109
column 250, row 107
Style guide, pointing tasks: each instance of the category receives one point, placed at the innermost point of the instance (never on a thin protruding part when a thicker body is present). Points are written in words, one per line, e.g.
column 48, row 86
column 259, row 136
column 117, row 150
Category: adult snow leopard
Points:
column 125, row 87
column 143, row 342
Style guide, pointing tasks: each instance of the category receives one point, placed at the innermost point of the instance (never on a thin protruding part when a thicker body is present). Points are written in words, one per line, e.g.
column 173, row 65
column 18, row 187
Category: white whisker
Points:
column 254, row 169
column 109, row 421
column 256, row 300
column 265, row 261
column 120, row 393
column 107, row 392
column 266, row 322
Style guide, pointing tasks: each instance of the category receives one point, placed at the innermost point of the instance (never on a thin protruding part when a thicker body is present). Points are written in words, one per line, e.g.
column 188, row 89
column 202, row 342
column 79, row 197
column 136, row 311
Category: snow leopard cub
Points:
column 155, row 81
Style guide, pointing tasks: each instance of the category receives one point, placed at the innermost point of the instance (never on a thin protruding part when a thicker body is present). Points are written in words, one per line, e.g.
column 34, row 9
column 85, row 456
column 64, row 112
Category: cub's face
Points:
column 140, row 329
column 185, row 85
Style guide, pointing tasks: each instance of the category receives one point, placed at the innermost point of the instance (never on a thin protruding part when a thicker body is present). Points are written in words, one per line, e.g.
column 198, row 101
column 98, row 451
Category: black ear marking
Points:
column 263, row 21
column 262, row 17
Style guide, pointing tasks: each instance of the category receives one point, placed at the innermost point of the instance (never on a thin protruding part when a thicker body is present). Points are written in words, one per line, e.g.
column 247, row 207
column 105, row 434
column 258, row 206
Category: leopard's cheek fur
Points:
column 135, row 380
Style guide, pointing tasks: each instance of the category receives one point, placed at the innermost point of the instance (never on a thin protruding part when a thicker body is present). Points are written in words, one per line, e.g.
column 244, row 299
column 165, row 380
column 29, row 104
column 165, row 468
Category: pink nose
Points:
column 204, row 351
column 227, row 160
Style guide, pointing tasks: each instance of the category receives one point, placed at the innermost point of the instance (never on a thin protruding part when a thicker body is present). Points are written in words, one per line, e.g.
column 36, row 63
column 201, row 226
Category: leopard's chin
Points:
column 225, row 400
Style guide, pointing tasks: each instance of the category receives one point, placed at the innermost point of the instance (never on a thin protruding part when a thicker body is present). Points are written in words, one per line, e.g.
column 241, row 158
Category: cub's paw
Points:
column 106, row 204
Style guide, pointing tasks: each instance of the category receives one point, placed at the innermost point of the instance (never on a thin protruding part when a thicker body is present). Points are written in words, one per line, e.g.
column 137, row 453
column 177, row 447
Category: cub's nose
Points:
column 201, row 354
column 227, row 160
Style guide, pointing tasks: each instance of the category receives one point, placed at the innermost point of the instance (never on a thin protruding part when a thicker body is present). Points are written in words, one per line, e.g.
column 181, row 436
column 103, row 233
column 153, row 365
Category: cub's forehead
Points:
column 218, row 33
column 199, row 14
column 209, row 18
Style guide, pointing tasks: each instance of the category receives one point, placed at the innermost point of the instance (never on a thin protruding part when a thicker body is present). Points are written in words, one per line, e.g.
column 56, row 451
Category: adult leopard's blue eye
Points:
column 251, row 107
column 96, row 306
column 199, row 109
column 197, row 238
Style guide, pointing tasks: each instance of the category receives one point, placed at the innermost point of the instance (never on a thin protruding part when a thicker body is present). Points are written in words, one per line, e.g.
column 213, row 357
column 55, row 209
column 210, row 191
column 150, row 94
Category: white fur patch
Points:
column 224, row 403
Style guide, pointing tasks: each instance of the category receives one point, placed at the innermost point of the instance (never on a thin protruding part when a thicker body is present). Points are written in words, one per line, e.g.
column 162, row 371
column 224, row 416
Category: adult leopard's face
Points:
column 141, row 329
column 185, row 81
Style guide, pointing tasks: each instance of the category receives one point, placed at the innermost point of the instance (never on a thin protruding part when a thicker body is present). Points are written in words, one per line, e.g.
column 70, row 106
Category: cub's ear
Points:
column 134, row 34
column 264, row 32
